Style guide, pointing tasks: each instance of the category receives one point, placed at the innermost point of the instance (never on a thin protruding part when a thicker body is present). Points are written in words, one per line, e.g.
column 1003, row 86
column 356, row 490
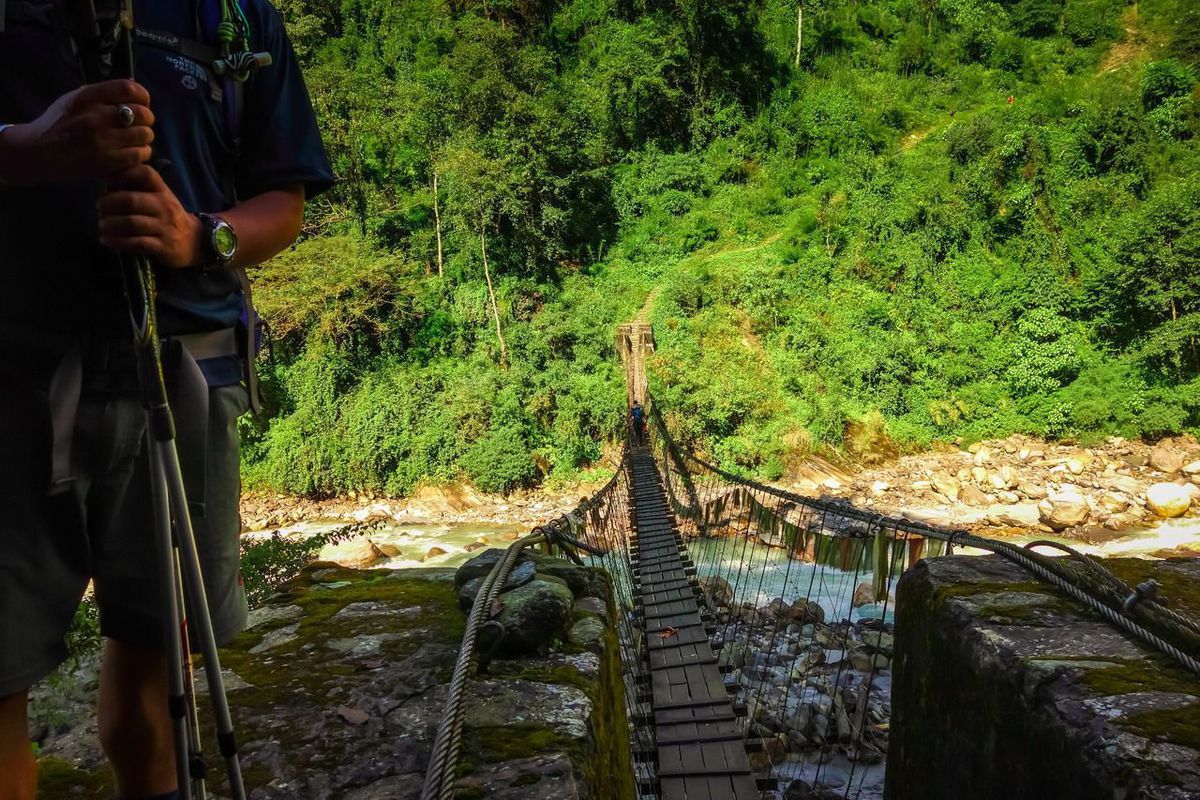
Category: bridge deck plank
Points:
column 681, row 656
column 667, row 594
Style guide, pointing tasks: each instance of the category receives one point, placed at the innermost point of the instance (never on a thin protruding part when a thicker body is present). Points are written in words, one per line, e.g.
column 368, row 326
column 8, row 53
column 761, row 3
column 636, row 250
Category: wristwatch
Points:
column 218, row 239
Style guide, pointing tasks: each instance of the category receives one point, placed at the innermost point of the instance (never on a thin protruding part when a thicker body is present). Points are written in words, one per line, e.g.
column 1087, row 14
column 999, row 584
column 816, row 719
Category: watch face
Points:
column 224, row 240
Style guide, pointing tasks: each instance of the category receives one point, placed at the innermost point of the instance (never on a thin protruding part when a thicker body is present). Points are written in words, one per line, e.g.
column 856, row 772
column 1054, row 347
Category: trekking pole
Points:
column 105, row 49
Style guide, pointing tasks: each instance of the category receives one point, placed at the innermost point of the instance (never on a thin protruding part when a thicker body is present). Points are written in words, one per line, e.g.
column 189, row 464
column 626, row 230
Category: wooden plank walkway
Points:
column 701, row 753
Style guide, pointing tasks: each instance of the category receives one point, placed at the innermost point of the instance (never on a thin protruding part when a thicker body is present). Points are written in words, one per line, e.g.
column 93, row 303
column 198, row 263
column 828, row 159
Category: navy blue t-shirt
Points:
column 58, row 282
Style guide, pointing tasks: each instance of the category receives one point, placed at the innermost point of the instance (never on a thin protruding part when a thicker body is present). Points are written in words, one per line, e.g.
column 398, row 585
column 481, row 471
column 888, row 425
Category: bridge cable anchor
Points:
column 1147, row 590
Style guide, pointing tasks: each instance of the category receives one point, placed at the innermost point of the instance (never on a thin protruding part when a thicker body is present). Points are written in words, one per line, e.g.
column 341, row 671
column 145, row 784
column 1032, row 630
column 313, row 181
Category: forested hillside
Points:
column 932, row 219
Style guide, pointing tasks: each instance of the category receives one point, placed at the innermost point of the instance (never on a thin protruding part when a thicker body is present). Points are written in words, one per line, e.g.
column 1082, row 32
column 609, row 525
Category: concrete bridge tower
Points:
column 635, row 341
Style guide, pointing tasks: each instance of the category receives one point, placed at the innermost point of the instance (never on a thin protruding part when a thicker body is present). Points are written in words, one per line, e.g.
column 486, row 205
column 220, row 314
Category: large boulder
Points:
column 1064, row 510
column 1168, row 499
column 352, row 553
column 1166, row 460
column 577, row 578
column 1005, row 478
column 947, row 486
column 974, row 496
column 534, row 615
column 805, row 611
column 479, row 566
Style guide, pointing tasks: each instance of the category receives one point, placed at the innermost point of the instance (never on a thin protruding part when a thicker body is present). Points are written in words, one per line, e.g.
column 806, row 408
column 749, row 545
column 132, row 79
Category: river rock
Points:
column 947, row 486
column 1166, row 460
column 1076, row 465
column 576, row 578
column 717, row 591
column 467, row 593
column 534, row 615
column 864, row 595
column 974, row 496
column 433, row 553
column 592, row 605
column 880, row 641
column 1004, row 478
column 1192, row 469
column 1168, row 499
column 806, row 611
column 1063, row 511
column 520, row 575
column 352, row 553
column 1017, row 515
column 1113, row 502
column 1032, row 490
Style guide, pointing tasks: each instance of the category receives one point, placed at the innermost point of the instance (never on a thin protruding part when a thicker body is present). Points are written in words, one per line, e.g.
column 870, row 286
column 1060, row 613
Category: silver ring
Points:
column 126, row 115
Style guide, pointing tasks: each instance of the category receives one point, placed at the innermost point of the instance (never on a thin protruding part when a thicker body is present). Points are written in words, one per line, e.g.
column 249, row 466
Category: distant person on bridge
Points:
column 234, row 157
column 637, row 419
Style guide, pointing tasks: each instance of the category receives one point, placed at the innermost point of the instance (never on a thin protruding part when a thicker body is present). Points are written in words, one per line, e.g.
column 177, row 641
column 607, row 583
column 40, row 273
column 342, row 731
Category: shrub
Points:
column 1037, row 17
column 500, row 461
column 270, row 561
column 1090, row 21
column 1164, row 80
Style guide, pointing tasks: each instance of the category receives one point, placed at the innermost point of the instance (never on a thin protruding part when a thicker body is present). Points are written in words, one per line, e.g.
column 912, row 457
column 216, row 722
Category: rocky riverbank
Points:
column 1024, row 485
column 453, row 504
column 1013, row 486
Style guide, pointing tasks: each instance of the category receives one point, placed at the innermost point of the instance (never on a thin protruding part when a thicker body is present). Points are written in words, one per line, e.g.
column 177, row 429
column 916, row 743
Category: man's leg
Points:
column 16, row 756
column 135, row 727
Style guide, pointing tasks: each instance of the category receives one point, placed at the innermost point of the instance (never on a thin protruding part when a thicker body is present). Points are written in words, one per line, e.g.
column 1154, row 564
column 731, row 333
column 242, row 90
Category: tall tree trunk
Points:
column 799, row 30
column 437, row 221
column 487, row 274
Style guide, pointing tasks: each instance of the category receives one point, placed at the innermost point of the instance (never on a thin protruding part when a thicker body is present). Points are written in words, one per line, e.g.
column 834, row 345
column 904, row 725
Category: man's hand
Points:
column 140, row 215
column 81, row 136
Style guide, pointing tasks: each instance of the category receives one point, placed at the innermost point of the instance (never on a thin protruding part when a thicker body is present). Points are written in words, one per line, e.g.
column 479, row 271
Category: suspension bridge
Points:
column 723, row 585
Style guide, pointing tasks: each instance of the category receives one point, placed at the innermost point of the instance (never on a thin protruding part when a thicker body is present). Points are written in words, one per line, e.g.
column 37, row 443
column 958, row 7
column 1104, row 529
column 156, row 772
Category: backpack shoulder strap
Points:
column 233, row 99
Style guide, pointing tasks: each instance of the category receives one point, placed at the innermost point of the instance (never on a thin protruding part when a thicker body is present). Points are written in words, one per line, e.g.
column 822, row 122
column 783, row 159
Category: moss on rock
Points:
column 384, row 643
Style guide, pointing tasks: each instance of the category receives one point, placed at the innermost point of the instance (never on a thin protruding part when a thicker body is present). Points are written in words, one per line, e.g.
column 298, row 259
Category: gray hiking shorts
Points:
column 102, row 528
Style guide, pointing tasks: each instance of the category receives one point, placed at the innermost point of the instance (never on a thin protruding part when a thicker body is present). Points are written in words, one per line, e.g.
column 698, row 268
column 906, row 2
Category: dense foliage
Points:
column 941, row 218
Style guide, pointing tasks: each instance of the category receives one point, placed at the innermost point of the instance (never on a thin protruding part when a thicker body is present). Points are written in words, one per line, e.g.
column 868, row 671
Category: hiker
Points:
column 637, row 418
column 205, row 176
